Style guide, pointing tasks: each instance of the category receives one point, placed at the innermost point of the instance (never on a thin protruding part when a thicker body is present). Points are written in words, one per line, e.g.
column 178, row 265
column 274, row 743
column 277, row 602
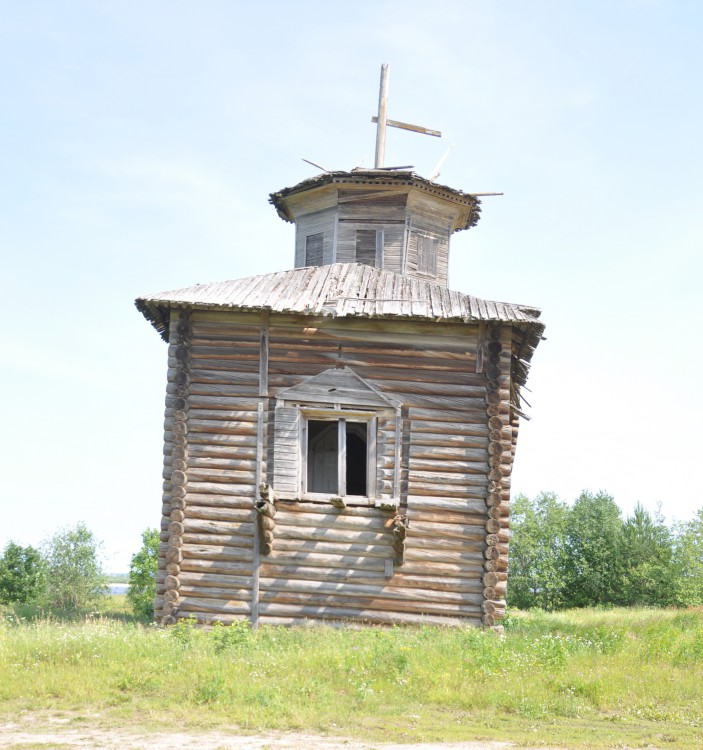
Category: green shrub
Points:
column 22, row 575
column 142, row 575
column 75, row 578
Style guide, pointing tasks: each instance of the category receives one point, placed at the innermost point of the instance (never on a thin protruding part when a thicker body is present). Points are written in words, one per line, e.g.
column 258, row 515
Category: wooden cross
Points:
column 383, row 121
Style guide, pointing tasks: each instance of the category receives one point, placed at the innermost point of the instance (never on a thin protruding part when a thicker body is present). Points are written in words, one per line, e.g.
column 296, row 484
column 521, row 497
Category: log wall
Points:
column 441, row 556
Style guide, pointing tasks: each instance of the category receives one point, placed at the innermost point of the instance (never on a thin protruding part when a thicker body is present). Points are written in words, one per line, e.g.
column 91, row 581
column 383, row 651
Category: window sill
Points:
column 388, row 504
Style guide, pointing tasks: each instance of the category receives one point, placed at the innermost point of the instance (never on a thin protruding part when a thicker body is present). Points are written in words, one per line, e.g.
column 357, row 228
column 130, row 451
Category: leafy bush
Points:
column 22, row 575
column 586, row 555
column 75, row 578
column 142, row 575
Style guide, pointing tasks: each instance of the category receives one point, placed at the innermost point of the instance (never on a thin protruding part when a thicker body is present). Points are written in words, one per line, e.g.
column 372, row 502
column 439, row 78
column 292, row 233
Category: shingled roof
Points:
column 338, row 290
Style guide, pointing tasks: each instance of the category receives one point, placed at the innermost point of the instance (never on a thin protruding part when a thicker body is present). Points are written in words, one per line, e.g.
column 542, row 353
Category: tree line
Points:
column 65, row 573
column 587, row 554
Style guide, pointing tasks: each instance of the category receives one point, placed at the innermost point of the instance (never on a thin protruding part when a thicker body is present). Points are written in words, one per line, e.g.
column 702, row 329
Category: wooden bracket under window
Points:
column 265, row 512
column 400, row 530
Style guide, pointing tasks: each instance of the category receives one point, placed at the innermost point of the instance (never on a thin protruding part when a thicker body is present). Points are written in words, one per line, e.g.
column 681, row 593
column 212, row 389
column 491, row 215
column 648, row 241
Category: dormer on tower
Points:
column 389, row 219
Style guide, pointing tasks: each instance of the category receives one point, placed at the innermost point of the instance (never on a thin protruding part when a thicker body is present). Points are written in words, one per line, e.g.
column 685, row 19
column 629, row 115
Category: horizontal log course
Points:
column 381, row 550
column 468, row 431
column 208, row 413
column 242, row 501
column 331, row 535
column 444, row 416
column 196, row 487
column 461, row 447
column 233, row 428
column 236, row 323
column 332, row 614
column 223, row 540
column 234, row 394
column 438, row 569
column 449, row 452
column 436, row 478
column 469, row 556
column 444, row 466
column 284, row 561
column 212, row 605
column 224, row 593
column 427, row 489
column 469, row 532
column 229, row 556
column 228, row 353
column 228, row 476
column 208, row 513
column 419, row 578
column 192, row 525
column 213, row 438
column 422, row 503
column 219, row 451
column 222, row 463
column 335, row 520
column 218, row 580
column 411, row 379
column 406, row 336
column 435, row 542
column 449, row 516
column 370, row 603
column 246, row 373
column 341, row 589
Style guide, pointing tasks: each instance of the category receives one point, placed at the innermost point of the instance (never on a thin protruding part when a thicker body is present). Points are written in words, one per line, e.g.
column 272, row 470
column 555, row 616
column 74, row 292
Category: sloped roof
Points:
column 338, row 290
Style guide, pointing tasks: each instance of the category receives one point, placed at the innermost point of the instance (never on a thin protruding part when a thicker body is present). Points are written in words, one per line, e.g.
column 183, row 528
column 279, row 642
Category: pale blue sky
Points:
column 139, row 143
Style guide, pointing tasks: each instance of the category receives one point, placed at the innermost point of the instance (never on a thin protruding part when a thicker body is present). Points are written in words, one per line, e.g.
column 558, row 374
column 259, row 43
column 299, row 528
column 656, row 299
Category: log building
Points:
column 339, row 437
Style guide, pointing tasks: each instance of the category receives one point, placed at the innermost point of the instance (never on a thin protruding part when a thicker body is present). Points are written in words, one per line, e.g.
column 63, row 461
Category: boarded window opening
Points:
column 366, row 242
column 313, row 249
column 426, row 255
column 337, row 457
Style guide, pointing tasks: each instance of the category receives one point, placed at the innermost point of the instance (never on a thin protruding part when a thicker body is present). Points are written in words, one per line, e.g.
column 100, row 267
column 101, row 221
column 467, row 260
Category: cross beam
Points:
column 382, row 121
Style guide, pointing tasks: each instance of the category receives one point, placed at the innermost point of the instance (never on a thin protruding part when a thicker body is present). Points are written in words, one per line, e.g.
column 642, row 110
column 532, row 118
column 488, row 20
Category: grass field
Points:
column 580, row 679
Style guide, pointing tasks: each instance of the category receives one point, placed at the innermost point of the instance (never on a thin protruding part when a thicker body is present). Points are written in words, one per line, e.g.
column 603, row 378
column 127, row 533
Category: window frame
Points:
column 341, row 417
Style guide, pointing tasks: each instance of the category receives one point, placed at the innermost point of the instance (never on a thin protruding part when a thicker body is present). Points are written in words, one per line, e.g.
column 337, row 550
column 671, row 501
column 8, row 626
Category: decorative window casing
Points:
column 325, row 439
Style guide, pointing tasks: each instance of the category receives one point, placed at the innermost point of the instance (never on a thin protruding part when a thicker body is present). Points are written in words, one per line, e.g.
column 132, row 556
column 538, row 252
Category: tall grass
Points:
column 585, row 678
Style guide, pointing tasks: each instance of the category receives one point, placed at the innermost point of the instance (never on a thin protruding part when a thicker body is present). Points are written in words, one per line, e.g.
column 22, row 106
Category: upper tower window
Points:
column 313, row 249
column 426, row 255
column 369, row 247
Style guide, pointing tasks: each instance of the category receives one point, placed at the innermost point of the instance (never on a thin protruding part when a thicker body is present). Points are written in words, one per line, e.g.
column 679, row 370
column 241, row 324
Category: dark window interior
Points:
column 323, row 457
column 356, row 458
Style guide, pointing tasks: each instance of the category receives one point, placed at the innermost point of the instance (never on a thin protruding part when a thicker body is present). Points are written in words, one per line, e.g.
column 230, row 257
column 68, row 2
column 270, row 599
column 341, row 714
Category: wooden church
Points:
column 339, row 437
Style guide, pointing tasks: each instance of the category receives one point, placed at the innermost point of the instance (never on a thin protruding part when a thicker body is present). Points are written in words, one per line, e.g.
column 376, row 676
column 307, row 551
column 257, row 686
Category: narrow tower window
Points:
column 313, row 249
column 367, row 241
